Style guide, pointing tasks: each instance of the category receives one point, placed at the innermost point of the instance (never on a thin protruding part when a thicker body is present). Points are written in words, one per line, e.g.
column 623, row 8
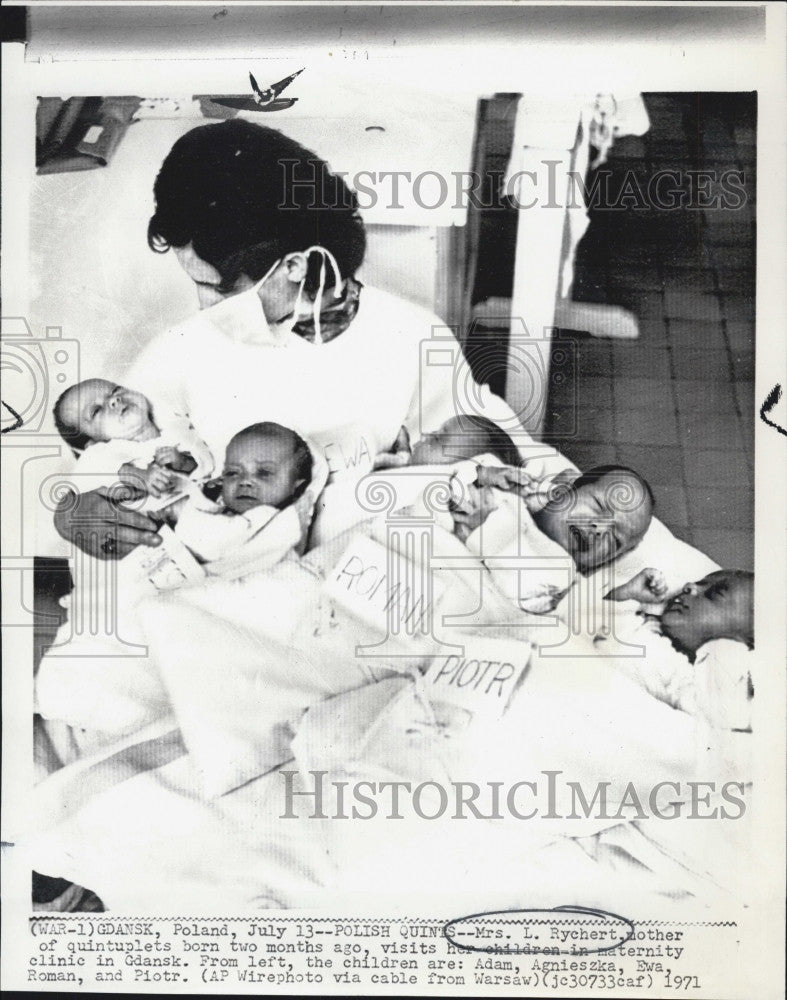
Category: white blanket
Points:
column 389, row 733
column 129, row 820
column 242, row 659
column 132, row 823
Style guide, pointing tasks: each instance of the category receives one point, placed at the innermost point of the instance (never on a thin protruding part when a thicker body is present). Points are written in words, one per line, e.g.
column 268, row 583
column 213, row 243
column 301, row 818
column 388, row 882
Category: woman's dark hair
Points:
column 77, row 440
column 244, row 195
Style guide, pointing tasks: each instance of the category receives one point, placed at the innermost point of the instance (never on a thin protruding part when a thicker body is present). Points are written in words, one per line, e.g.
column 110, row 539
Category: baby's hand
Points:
column 169, row 457
column 472, row 510
column 158, row 479
column 545, row 598
column 656, row 584
column 152, row 481
column 513, row 479
column 494, row 475
column 400, row 452
column 647, row 587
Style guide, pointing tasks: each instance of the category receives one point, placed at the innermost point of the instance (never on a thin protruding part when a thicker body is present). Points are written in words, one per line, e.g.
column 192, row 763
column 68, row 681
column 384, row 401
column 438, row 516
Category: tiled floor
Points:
column 678, row 403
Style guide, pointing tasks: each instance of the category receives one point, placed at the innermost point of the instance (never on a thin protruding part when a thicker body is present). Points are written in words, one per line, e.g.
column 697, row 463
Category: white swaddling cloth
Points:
column 724, row 684
column 715, row 687
column 531, row 569
column 99, row 464
column 97, row 675
column 527, row 567
column 210, row 530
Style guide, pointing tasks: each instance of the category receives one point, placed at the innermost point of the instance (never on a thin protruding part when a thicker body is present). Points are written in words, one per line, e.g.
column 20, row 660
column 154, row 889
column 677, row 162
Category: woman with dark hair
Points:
column 272, row 240
column 238, row 196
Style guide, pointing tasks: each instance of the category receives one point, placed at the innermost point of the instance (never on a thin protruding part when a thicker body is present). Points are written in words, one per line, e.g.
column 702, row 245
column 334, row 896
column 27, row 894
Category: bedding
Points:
column 268, row 676
column 260, row 847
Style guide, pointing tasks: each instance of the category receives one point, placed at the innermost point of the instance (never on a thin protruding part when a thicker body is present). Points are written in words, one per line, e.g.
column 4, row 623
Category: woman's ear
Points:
column 296, row 267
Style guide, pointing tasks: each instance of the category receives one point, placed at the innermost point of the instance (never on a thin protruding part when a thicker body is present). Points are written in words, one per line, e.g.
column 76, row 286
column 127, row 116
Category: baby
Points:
column 720, row 606
column 267, row 468
column 114, row 433
column 462, row 438
column 596, row 517
column 705, row 676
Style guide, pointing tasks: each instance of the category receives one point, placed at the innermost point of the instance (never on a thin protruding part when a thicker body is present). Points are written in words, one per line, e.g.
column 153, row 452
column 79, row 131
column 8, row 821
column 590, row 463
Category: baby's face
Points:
column 451, row 443
column 720, row 606
column 104, row 411
column 599, row 522
column 259, row 470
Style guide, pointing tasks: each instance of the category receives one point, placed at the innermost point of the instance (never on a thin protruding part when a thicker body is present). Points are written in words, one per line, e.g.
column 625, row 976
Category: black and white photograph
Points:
column 390, row 394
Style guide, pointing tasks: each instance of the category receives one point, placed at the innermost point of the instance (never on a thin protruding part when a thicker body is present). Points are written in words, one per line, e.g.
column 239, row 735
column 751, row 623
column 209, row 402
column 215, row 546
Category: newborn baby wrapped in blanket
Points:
column 695, row 644
column 485, row 513
column 269, row 486
column 119, row 436
column 106, row 683
column 96, row 676
column 554, row 544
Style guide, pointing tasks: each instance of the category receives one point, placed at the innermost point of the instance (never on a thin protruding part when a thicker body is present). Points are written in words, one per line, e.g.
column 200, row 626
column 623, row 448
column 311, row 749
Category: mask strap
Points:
column 296, row 309
column 337, row 282
column 318, row 303
column 267, row 274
